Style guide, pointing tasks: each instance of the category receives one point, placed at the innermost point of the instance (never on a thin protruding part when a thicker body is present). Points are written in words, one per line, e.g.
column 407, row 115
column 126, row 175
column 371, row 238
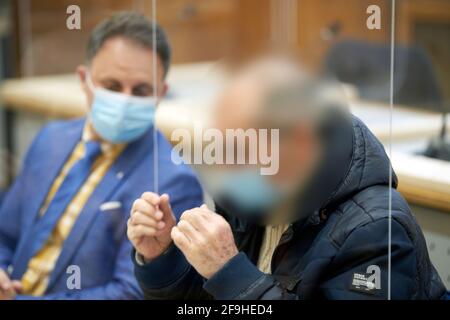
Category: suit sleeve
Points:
column 10, row 223
column 10, row 210
column 123, row 286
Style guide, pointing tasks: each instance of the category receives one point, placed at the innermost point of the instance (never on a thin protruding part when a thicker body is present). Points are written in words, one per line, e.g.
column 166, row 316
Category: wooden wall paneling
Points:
column 211, row 29
column 50, row 46
column 199, row 30
column 350, row 15
column 411, row 12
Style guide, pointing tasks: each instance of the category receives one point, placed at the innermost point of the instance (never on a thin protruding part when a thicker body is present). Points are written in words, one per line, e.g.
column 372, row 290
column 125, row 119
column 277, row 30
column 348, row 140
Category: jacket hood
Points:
column 354, row 160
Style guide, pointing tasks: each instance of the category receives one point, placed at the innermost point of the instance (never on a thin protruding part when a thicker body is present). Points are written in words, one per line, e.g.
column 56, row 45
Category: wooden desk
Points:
column 423, row 181
column 407, row 124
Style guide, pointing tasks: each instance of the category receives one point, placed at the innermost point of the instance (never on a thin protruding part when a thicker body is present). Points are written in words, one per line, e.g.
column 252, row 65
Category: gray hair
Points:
column 291, row 96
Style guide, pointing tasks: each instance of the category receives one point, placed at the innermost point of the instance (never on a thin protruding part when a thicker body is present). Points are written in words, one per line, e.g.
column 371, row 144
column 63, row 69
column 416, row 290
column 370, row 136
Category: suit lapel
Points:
column 55, row 153
column 117, row 173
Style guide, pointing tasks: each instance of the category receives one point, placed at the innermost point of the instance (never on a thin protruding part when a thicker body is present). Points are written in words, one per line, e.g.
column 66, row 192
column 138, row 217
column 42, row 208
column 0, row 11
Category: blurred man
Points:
column 63, row 222
column 317, row 229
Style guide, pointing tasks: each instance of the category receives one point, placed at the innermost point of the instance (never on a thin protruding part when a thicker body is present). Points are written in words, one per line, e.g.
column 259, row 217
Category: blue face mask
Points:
column 250, row 191
column 120, row 118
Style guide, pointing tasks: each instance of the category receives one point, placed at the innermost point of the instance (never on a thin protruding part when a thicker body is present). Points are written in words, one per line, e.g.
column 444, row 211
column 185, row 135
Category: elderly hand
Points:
column 205, row 239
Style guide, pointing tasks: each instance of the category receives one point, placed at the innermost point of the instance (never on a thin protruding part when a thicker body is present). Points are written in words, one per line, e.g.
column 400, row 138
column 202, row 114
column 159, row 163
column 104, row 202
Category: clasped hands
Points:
column 204, row 237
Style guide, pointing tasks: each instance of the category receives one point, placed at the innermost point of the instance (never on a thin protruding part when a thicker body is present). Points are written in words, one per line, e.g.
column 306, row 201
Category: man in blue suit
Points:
column 63, row 221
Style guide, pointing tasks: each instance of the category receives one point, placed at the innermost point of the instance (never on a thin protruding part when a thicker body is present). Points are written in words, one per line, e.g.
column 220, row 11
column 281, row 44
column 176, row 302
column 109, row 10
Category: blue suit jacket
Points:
column 98, row 243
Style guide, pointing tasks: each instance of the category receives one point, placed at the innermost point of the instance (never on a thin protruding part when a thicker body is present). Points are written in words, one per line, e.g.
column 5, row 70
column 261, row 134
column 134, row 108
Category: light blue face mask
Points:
column 121, row 118
column 250, row 191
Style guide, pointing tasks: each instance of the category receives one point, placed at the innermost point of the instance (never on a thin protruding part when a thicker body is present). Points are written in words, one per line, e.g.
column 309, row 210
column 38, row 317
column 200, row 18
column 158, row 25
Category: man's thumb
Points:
column 164, row 205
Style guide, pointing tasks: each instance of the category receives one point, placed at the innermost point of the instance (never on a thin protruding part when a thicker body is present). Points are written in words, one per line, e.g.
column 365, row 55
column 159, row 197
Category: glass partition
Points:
column 327, row 118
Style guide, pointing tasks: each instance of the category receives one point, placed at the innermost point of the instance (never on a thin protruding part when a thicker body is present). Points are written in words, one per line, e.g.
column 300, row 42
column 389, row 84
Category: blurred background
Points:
column 38, row 56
